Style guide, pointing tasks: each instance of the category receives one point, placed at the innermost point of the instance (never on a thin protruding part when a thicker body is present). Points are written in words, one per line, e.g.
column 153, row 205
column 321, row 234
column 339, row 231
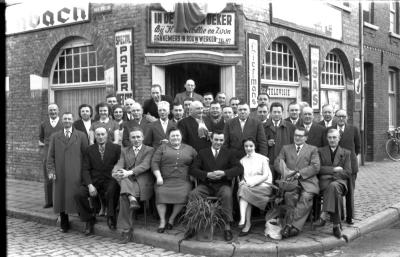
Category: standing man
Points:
column 262, row 98
column 85, row 122
column 186, row 106
column 227, row 113
column 156, row 134
column 302, row 162
column 189, row 93
column 150, row 109
column 215, row 167
column 136, row 180
column 177, row 113
column 262, row 113
column 215, row 118
column 195, row 129
column 47, row 128
column 349, row 139
column 234, row 103
column 137, row 121
column 243, row 127
column 294, row 114
column 221, row 99
column 98, row 162
column 64, row 163
column 315, row 132
column 333, row 176
column 327, row 113
column 128, row 103
column 208, row 99
column 111, row 100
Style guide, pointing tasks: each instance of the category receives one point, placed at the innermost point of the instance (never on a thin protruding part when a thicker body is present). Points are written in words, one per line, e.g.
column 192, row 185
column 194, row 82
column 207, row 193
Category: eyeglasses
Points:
column 297, row 135
column 341, row 116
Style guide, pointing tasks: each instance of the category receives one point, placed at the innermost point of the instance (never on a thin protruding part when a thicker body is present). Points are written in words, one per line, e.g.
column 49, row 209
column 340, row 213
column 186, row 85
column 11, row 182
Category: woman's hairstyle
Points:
column 249, row 139
column 82, row 106
column 103, row 104
column 116, row 107
column 173, row 128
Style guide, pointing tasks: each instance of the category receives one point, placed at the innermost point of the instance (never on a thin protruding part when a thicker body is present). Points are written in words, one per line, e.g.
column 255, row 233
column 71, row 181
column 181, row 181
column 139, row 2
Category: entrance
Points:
column 206, row 76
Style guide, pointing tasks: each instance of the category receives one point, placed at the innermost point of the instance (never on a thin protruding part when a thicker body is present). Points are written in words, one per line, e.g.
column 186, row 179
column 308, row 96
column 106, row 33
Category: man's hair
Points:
column 263, row 94
column 331, row 130
column 339, row 111
column 136, row 104
column 83, row 106
column 135, row 128
column 176, row 104
column 302, row 129
column 164, row 104
column 188, row 99
column 217, row 132
column 234, row 98
column 128, row 100
column 215, row 102
column 262, row 105
column 156, row 85
column 227, row 106
column 221, row 93
column 275, row 104
column 208, row 93
column 111, row 95
column 67, row 113
column 325, row 105
column 292, row 103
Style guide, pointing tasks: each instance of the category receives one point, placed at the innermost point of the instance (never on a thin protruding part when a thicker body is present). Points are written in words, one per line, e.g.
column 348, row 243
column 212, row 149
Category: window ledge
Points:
column 395, row 35
column 341, row 6
column 371, row 26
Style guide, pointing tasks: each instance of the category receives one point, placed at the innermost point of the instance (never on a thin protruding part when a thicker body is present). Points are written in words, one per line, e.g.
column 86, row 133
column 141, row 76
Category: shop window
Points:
column 76, row 65
column 279, row 64
column 332, row 82
column 368, row 12
column 392, row 82
column 394, row 17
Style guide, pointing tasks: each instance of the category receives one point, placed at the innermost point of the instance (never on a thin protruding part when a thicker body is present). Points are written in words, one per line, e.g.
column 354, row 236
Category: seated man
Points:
column 303, row 163
column 133, row 173
column 215, row 167
column 98, row 162
column 333, row 177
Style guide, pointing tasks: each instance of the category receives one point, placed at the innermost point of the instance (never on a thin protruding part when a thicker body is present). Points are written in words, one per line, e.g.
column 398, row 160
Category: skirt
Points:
column 173, row 191
column 257, row 196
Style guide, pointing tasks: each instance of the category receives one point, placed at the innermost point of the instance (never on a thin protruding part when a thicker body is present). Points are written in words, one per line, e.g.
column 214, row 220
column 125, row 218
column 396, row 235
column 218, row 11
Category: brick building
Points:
column 381, row 74
column 71, row 54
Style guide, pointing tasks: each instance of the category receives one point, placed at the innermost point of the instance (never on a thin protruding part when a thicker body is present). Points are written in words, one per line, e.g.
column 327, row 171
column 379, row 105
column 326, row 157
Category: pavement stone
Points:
column 377, row 191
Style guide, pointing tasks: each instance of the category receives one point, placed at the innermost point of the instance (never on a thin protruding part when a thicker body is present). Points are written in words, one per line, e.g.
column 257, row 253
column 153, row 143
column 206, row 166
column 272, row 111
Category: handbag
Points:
column 273, row 229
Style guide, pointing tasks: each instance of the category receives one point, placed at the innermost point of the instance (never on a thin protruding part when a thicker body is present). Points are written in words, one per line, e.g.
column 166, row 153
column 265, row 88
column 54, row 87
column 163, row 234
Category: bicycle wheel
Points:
column 393, row 149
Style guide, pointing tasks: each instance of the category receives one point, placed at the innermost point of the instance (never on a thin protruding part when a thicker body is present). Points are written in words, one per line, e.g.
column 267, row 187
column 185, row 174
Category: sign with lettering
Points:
column 282, row 92
column 314, row 77
column 253, row 45
column 123, row 45
column 217, row 29
column 357, row 84
column 29, row 16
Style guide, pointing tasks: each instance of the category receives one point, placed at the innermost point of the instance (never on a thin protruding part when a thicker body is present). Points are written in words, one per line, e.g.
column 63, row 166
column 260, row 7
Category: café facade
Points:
column 74, row 53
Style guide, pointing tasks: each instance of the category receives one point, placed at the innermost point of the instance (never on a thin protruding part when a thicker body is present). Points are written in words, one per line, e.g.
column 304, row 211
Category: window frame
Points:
column 394, row 11
column 371, row 16
column 392, row 82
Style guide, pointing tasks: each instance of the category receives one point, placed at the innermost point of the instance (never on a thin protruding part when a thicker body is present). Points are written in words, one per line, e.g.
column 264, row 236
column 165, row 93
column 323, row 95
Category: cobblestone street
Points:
column 25, row 238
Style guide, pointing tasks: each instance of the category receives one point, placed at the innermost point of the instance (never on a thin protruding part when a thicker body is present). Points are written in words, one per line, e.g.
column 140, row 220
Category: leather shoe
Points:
column 161, row 230
column 189, row 233
column 349, row 221
column 126, row 237
column 241, row 226
column 286, row 231
column 47, row 205
column 111, row 223
column 169, row 226
column 89, row 228
column 228, row 235
column 337, row 231
column 320, row 222
column 293, row 232
column 133, row 204
column 244, row 233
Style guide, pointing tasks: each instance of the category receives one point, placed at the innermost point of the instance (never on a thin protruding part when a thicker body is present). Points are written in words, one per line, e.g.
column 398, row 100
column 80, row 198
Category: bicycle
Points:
column 393, row 144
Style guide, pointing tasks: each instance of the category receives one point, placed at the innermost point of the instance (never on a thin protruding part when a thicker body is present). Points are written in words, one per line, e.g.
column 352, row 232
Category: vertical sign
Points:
column 253, row 44
column 123, row 45
column 314, row 77
column 357, row 84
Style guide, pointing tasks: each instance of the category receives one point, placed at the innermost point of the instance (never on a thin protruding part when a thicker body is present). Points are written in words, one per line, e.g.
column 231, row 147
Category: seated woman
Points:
column 170, row 165
column 254, row 189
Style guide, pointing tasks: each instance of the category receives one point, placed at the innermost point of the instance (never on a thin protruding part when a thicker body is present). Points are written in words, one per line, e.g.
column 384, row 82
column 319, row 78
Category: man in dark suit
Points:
column 177, row 113
column 195, row 129
column 189, row 93
column 315, row 132
column 150, row 105
column 98, row 163
column 327, row 113
column 133, row 173
column 350, row 139
column 301, row 161
column 215, row 117
column 138, row 121
column 156, row 134
column 262, row 98
column 294, row 114
column 215, row 167
column 242, row 127
column 85, row 121
column 128, row 104
column 333, row 176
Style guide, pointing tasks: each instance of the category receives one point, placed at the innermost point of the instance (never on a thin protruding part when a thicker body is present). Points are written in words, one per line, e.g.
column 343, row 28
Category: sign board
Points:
column 314, row 77
column 282, row 92
column 217, row 29
column 30, row 16
column 253, row 56
column 357, row 84
column 123, row 45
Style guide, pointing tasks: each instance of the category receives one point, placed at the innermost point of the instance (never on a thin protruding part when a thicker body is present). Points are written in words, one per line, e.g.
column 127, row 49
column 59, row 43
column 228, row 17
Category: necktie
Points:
column 298, row 149
column 67, row 134
column 101, row 150
column 216, row 154
column 136, row 151
column 341, row 133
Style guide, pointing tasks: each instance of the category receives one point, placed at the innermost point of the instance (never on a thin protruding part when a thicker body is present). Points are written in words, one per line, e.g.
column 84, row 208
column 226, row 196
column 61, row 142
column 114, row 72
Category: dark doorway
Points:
column 206, row 76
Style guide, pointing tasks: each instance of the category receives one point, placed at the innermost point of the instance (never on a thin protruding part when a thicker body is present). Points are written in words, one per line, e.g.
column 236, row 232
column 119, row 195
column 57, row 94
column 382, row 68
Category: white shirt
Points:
column 164, row 125
column 54, row 122
column 301, row 147
column 276, row 123
column 69, row 130
column 307, row 127
column 294, row 121
column 214, row 151
column 87, row 124
column 242, row 123
column 255, row 165
column 137, row 149
column 328, row 123
column 341, row 128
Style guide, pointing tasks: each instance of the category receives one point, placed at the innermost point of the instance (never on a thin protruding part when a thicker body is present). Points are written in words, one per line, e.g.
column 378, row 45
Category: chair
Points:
column 146, row 205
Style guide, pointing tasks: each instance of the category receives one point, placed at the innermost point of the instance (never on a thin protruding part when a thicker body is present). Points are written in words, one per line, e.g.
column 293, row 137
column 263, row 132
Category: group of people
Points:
column 129, row 154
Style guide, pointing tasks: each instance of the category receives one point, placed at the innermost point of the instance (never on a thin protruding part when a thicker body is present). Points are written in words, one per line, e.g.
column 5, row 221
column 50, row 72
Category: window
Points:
column 77, row 65
column 392, row 82
column 279, row 64
column 332, row 82
column 368, row 12
column 394, row 17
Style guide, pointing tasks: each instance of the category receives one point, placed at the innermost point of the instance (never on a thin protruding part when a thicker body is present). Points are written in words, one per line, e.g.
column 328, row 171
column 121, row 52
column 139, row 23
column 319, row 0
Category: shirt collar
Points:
column 55, row 120
column 70, row 130
column 139, row 148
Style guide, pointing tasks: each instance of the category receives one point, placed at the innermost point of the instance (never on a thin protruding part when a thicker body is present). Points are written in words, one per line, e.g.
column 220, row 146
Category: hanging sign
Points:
column 357, row 84
column 123, row 45
column 314, row 77
column 253, row 56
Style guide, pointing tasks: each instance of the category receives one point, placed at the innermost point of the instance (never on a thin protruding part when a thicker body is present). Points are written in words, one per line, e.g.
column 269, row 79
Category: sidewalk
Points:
column 377, row 204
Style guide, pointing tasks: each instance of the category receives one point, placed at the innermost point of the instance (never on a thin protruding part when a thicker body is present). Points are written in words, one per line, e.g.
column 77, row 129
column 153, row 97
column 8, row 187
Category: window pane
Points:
column 100, row 73
column 280, row 74
column 291, row 64
column 268, row 58
column 69, row 62
column 295, row 76
column 76, row 50
column 92, row 72
column 280, row 59
column 68, row 51
column 92, row 60
column 273, row 58
column 77, row 62
column 55, row 77
column 77, row 76
column 285, row 75
column 262, row 71
column 61, row 62
column 84, row 60
column 84, row 49
column 69, row 76
column 91, row 49
column 273, row 73
column 62, row 77
column 84, row 75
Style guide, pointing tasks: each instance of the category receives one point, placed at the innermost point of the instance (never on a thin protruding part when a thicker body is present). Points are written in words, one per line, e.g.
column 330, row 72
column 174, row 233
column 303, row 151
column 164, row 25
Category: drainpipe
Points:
column 362, row 120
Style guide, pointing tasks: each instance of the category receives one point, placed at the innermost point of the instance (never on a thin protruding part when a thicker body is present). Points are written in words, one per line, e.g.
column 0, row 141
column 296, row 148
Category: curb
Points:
column 174, row 242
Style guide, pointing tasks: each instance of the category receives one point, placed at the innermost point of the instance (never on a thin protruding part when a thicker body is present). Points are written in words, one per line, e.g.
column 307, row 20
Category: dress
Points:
column 173, row 165
column 254, row 166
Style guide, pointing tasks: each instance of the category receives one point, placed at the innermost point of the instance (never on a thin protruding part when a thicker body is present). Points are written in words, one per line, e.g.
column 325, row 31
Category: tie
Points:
column 67, row 134
column 101, row 150
column 298, row 149
column 136, row 151
column 216, row 154
column 341, row 133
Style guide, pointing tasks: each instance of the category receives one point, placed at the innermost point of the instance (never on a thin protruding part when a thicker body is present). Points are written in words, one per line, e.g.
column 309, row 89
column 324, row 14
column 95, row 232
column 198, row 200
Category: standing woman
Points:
column 170, row 165
column 254, row 189
column 85, row 113
column 111, row 126
column 117, row 115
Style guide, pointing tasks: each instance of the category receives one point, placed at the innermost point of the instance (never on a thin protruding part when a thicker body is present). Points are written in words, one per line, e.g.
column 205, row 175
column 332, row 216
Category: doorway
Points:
column 206, row 76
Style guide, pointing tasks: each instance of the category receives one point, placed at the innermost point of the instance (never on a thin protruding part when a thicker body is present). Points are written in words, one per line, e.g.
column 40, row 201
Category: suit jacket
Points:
column 140, row 167
column 306, row 162
column 149, row 106
column 155, row 133
column 283, row 135
column 78, row 124
column 180, row 97
column 298, row 123
column 326, row 174
column 189, row 128
column 322, row 123
column 316, row 135
column 94, row 168
column 252, row 128
column 205, row 162
column 128, row 125
column 219, row 126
